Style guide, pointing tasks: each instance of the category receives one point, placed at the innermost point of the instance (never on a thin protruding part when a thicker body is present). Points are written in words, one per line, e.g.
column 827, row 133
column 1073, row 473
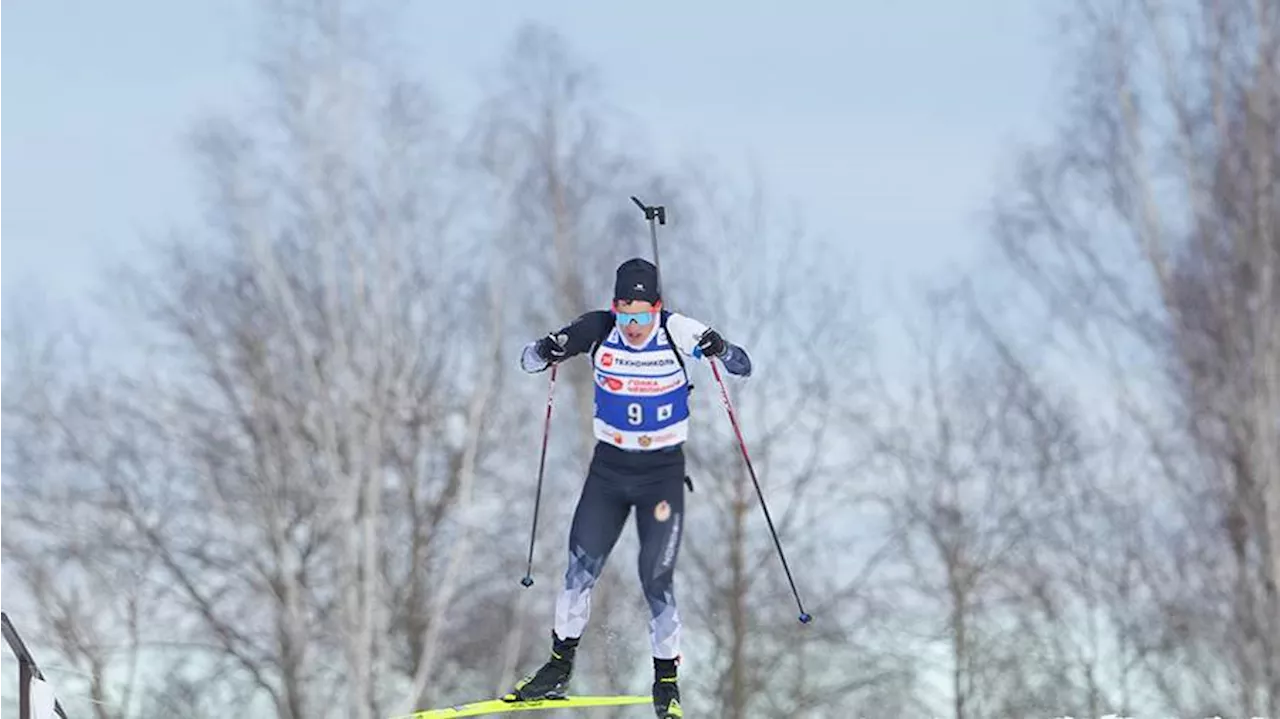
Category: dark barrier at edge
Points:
column 27, row 669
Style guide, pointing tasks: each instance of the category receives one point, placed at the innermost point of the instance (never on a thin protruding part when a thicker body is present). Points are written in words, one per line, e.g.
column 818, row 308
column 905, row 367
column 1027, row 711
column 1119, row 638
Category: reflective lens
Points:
column 640, row 318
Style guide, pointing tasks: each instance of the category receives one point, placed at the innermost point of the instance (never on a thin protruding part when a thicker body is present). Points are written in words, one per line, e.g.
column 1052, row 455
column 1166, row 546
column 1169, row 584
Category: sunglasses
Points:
column 639, row 318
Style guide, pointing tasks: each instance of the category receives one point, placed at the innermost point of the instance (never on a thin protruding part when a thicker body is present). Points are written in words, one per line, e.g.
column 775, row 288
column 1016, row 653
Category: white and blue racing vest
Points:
column 642, row 395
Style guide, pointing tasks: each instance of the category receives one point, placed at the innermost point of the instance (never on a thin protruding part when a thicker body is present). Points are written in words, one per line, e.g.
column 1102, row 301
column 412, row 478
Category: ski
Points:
column 498, row 706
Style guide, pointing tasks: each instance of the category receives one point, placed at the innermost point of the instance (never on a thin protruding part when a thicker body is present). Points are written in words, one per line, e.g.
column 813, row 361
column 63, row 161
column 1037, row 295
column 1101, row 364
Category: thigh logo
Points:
column 673, row 541
column 662, row 512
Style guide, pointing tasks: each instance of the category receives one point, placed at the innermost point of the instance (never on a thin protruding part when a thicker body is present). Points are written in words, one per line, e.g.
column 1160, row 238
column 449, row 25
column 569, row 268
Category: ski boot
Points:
column 551, row 681
column 666, row 692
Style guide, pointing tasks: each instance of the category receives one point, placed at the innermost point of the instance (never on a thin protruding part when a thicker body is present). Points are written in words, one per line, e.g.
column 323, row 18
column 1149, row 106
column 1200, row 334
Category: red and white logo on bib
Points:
column 606, row 359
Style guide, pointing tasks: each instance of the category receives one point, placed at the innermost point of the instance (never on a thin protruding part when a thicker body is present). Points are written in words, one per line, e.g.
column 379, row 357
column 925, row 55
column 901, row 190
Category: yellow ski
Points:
column 497, row 706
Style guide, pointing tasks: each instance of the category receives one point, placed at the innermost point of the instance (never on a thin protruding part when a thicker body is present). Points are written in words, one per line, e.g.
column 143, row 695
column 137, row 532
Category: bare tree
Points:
column 1149, row 227
column 974, row 459
column 305, row 374
column 52, row 549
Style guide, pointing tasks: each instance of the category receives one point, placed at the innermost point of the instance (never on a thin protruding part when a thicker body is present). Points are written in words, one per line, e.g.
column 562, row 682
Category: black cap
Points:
column 637, row 280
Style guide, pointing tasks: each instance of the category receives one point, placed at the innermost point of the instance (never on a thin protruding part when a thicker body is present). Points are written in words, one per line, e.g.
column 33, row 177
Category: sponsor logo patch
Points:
column 638, row 385
column 613, row 384
column 628, row 362
column 662, row 512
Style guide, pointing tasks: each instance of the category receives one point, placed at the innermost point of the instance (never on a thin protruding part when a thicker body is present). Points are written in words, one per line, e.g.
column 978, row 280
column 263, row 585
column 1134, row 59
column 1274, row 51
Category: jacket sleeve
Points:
column 685, row 333
column 577, row 337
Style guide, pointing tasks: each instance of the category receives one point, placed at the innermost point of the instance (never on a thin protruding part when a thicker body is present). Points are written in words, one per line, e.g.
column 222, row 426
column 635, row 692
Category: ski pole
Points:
column 542, row 464
column 805, row 617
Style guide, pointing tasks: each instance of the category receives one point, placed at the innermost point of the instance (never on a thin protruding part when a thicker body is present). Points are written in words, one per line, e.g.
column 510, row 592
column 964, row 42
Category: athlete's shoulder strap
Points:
column 676, row 349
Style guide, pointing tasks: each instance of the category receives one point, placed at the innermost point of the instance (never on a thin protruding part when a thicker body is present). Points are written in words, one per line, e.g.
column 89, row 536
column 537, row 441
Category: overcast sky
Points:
column 886, row 123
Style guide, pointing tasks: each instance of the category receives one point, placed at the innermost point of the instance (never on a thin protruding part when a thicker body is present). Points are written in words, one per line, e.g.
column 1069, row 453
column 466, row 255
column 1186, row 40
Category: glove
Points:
column 551, row 348
column 711, row 344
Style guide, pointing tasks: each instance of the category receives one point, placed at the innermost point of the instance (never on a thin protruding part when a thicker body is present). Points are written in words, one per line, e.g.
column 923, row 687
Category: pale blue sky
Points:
column 887, row 122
